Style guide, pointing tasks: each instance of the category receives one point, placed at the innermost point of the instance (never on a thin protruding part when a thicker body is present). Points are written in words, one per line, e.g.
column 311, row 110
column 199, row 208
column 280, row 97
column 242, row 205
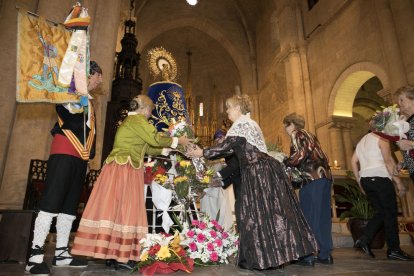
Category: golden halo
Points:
column 157, row 58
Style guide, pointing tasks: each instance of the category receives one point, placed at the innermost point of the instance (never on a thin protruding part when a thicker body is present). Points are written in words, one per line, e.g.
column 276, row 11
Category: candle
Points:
column 335, row 163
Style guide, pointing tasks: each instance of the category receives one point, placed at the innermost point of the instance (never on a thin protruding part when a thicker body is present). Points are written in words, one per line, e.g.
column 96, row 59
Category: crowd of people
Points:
column 274, row 226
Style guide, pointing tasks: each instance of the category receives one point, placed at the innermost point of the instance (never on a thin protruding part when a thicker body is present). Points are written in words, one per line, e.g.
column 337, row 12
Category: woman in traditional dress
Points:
column 115, row 216
column 405, row 96
column 272, row 228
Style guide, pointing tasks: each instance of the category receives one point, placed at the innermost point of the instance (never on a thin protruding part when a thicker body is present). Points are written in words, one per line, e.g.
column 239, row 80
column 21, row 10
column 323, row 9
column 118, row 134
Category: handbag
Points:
column 296, row 178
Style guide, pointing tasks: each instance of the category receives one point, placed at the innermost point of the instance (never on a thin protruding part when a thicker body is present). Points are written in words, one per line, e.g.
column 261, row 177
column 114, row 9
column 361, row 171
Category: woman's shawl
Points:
column 249, row 129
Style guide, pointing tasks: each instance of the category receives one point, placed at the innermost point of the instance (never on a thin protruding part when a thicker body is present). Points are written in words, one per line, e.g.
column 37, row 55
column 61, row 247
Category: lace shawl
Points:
column 249, row 129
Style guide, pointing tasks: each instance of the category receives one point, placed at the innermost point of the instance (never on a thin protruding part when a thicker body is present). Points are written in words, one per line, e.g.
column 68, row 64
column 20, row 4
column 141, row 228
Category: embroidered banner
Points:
column 41, row 46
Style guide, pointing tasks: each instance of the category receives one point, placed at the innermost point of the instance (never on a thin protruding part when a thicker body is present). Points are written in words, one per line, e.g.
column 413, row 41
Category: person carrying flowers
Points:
column 272, row 228
column 115, row 216
column 373, row 167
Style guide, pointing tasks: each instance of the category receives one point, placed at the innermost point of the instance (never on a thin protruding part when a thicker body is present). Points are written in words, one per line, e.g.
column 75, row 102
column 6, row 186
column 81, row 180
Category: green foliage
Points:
column 273, row 147
column 182, row 189
column 360, row 206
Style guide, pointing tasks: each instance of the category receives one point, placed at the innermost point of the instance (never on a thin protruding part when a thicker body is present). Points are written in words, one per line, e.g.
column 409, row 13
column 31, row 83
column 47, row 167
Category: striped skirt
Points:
column 115, row 218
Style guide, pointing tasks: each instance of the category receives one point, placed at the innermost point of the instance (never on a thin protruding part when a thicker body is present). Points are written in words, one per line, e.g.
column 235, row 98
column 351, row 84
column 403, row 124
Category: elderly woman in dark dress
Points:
column 272, row 228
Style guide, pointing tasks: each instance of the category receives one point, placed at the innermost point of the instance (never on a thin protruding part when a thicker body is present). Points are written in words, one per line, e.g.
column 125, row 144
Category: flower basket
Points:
column 207, row 242
column 166, row 268
column 163, row 254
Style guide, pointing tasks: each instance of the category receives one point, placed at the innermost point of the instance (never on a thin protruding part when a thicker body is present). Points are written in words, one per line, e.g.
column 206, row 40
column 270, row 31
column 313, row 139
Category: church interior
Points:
column 334, row 62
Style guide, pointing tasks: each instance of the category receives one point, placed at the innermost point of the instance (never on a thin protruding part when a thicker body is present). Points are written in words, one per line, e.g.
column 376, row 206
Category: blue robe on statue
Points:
column 169, row 103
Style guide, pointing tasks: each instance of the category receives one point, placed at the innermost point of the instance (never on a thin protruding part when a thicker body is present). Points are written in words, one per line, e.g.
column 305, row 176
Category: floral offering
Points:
column 389, row 124
column 179, row 129
column 187, row 176
column 207, row 242
column 163, row 254
column 152, row 168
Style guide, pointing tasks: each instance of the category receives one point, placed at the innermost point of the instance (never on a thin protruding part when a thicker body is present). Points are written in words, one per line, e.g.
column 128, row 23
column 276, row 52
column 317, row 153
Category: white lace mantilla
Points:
column 249, row 129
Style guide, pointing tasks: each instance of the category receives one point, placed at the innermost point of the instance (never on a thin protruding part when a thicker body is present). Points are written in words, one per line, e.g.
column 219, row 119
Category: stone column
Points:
column 348, row 149
column 256, row 107
column 290, row 32
column 390, row 45
column 104, row 33
column 341, row 143
column 8, row 38
column 305, row 74
column 337, row 146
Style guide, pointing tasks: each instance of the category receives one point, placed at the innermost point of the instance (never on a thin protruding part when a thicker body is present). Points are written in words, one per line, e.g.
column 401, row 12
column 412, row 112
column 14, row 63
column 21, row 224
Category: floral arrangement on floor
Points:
column 388, row 123
column 163, row 254
column 207, row 243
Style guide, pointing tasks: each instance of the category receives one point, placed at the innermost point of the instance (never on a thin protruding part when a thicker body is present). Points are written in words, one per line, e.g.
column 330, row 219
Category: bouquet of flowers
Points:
column 276, row 152
column 152, row 168
column 207, row 242
column 187, row 176
column 163, row 254
column 179, row 129
column 388, row 124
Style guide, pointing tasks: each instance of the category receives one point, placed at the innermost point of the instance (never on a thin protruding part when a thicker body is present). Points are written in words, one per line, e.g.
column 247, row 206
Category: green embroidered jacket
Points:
column 135, row 138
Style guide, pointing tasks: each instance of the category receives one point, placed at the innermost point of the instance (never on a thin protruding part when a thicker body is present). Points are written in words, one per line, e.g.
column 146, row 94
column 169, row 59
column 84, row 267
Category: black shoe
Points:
column 306, row 262
column 327, row 261
column 399, row 255
column 78, row 263
column 111, row 262
column 364, row 247
column 130, row 265
column 37, row 268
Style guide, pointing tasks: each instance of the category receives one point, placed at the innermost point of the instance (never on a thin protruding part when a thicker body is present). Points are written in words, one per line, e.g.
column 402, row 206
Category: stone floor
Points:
column 347, row 261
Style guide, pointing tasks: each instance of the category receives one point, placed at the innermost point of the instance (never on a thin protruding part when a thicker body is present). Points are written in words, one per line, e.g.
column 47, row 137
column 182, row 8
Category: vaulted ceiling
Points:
column 220, row 35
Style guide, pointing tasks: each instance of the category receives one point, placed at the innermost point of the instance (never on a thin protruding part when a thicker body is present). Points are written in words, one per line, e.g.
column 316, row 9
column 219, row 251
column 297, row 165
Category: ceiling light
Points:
column 192, row 2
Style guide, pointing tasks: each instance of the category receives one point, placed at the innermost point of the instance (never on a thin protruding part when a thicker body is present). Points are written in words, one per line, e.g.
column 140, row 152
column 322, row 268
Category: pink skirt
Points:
column 115, row 218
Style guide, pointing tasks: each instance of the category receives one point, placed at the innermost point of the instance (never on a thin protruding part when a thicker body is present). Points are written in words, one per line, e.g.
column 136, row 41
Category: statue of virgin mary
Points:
column 168, row 96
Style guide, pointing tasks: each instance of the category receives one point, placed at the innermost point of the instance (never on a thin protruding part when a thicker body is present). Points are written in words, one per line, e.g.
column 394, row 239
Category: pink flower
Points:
column 219, row 228
column 202, row 225
column 210, row 246
column 195, row 222
column 219, row 242
column 213, row 221
column 225, row 235
column 193, row 246
column 201, row 238
column 190, row 234
column 213, row 234
column 214, row 257
column 237, row 242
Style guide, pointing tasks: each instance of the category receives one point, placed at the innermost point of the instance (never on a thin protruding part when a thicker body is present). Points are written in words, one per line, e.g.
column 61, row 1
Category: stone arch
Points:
column 348, row 83
column 243, row 65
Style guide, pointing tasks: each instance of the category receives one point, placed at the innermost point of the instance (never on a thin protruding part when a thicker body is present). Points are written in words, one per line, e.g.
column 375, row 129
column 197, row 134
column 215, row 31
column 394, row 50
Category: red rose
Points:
column 154, row 250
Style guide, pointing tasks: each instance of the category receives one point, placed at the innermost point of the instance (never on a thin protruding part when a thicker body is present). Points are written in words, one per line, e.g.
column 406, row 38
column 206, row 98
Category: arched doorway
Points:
column 360, row 90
